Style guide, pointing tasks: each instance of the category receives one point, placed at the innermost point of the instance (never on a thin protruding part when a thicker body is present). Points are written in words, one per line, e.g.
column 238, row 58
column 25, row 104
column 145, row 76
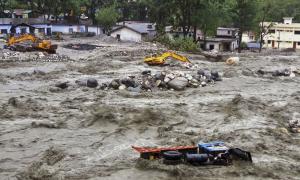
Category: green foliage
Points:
column 244, row 45
column 178, row 44
column 107, row 17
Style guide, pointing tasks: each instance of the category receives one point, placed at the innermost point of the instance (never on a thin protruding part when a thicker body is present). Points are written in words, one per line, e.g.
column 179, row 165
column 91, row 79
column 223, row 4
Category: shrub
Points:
column 178, row 44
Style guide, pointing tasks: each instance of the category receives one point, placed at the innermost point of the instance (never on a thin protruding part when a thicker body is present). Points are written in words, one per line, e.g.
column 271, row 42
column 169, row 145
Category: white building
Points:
column 173, row 32
column 248, row 37
column 133, row 31
column 47, row 29
column 282, row 35
column 225, row 40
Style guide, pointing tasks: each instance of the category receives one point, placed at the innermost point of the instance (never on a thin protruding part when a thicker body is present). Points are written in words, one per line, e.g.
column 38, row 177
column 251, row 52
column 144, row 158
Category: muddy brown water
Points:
column 82, row 133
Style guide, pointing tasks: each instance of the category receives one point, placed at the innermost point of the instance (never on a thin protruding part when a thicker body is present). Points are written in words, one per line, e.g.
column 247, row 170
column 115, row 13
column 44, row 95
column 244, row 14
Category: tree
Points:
column 243, row 15
column 209, row 15
column 107, row 17
column 263, row 15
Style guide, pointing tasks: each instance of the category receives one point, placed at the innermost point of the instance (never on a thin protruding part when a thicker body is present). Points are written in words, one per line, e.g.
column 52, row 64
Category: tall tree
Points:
column 243, row 15
column 208, row 15
column 107, row 17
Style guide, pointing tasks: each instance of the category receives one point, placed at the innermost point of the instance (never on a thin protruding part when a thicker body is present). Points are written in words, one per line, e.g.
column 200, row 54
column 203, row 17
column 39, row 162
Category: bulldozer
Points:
column 161, row 59
column 28, row 42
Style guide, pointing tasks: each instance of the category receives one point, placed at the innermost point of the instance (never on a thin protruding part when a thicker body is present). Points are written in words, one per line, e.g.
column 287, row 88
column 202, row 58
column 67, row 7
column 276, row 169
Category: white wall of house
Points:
column 54, row 28
column 127, row 35
column 96, row 30
column 68, row 29
column 5, row 28
column 248, row 37
column 226, row 32
column 221, row 46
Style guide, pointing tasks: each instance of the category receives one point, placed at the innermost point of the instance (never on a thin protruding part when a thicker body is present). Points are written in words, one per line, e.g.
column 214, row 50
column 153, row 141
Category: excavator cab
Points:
column 160, row 59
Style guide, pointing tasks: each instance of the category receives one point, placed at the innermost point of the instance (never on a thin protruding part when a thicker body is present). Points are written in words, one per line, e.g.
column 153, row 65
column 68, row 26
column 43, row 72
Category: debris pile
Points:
column 286, row 72
column 163, row 81
column 39, row 56
column 8, row 55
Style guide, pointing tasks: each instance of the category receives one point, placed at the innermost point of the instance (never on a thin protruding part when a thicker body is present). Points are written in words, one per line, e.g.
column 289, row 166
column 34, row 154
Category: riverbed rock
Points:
column 129, row 82
column 146, row 72
column 114, row 84
column 62, row 85
column 122, row 87
column 178, row 83
column 91, row 83
column 39, row 72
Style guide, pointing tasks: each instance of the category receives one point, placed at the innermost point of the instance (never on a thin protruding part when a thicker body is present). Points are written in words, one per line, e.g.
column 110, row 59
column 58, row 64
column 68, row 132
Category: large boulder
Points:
column 129, row 82
column 178, row 83
column 62, row 85
column 89, row 82
column 115, row 84
column 92, row 83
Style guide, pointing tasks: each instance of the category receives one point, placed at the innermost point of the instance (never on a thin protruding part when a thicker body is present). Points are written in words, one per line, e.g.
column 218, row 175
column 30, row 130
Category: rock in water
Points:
column 39, row 72
column 62, row 85
column 92, row 83
column 81, row 82
column 129, row 82
column 233, row 61
column 114, row 84
column 178, row 83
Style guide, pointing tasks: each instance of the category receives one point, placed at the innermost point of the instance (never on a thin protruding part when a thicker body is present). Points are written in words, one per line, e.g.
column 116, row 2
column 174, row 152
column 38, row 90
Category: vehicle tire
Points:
column 172, row 155
column 197, row 158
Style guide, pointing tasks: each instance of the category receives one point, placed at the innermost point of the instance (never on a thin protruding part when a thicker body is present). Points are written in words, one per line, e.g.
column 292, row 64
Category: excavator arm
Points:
column 160, row 59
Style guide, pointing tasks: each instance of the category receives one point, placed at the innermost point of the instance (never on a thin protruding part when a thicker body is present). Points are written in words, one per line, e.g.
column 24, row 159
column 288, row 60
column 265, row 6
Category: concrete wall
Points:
column 220, row 46
column 127, row 35
column 248, row 37
column 96, row 30
column 68, row 29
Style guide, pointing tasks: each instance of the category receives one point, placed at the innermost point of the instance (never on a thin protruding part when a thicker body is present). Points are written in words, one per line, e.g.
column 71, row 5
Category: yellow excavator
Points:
column 28, row 42
column 161, row 59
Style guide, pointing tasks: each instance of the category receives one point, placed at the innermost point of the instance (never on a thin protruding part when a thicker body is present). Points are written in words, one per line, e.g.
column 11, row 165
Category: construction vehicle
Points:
column 161, row 59
column 28, row 42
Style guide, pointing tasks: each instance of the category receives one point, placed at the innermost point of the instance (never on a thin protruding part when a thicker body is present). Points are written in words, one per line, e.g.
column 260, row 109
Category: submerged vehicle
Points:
column 212, row 153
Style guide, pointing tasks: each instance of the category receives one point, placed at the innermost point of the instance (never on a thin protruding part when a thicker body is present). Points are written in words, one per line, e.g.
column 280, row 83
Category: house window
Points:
column 229, row 32
column 272, row 31
column 298, row 43
column 70, row 30
column 23, row 31
column 269, row 41
column 297, row 32
column 3, row 31
column 149, row 26
column 211, row 47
